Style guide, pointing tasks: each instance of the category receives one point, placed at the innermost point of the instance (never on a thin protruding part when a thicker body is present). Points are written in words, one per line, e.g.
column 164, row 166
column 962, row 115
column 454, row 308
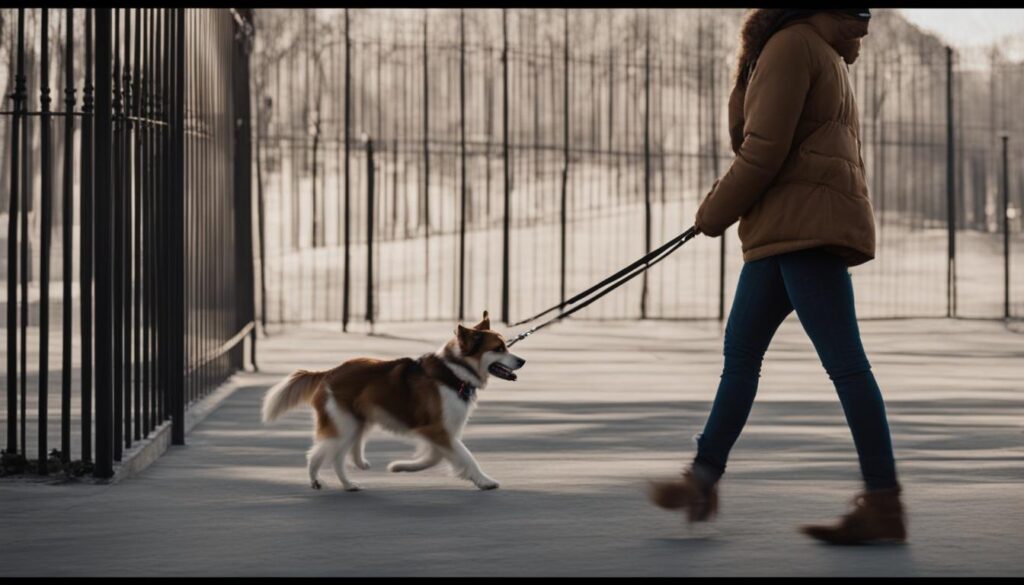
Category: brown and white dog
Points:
column 429, row 399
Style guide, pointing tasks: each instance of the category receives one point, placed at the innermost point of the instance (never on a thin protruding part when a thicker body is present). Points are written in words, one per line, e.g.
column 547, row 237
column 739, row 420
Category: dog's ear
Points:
column 469, row 339
column 464, row 335
column 484, row 324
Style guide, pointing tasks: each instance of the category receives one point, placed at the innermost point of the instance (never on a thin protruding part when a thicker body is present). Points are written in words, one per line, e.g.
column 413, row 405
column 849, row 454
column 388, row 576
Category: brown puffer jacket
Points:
column 797, row 180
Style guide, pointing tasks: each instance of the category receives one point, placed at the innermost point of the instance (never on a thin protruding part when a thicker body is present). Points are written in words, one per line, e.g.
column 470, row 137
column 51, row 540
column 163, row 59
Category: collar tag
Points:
column 466, row 391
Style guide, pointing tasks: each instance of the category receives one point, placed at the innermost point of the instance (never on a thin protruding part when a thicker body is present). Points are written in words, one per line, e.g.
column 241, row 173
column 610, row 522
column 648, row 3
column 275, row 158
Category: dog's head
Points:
column 486, row 349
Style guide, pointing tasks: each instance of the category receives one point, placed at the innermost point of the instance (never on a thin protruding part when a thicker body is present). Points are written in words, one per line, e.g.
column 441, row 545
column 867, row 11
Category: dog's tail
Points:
column 289, row 393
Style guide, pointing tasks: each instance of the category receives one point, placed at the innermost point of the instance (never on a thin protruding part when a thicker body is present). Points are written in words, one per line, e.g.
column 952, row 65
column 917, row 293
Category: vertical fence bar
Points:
column 85, row 203
column 317, row 231
column 126, row 232
column 26, row 267
column 647, row 159
column 159, row 130
column 117, row 193
column 348, row 157
column 564, row 216
column 189, row 199
column 261, row 223
column 950, row 192
column 67, row 263
column 369, row 230
column 1006, row 227
column 46, row 201
column 716, row 170
column 102, row 152
column 135, row 269
column 27, row 179
column 162, row 105
column 505, row 170
column 147, row 130
column 426, row 170
column 173, row 340
column 463, row 191
column 242, row 179
column 120, row 129
column 151, row 165
column 12, row 243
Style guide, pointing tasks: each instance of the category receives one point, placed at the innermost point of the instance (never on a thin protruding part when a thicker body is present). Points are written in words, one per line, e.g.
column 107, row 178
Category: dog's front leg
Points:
column 467, row 467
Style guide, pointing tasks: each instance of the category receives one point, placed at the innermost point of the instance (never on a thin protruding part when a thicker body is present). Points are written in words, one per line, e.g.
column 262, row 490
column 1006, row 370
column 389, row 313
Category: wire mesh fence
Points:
column 520, row 155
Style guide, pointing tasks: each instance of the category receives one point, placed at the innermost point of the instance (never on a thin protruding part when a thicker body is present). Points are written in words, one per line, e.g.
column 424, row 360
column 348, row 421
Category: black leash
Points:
column 616, row 280
column 683, row 236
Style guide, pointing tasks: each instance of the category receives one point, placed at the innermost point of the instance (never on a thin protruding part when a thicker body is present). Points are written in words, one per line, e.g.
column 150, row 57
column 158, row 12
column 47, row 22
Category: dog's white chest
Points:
column 454, row 410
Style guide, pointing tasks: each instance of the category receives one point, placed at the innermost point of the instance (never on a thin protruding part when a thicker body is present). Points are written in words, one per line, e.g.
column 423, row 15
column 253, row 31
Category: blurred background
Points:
column 611, row 126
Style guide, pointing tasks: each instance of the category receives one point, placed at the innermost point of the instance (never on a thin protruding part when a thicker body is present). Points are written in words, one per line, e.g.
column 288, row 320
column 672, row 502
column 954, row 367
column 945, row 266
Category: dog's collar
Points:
column 435, row 367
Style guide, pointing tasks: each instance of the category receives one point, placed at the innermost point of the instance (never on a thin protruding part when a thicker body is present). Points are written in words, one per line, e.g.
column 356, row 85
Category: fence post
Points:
column 565, row 161
column 46, row 202
column 504, row 137
column 243, row 178
column 1006, row 228
column 462, row 157
column 116, row 258
column 647, row 161
column 348, row 144
column 369, row 230
column 715, row 168
column 102, row 172
column 12, row 244
column 426, row 172
column 173, row 338
column 261, row 222
column 86, row 215
column 950, row 192
column 67, row 265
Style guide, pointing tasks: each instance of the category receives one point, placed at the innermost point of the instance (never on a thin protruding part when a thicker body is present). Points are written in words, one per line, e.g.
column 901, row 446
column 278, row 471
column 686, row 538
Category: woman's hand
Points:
column 703, row 203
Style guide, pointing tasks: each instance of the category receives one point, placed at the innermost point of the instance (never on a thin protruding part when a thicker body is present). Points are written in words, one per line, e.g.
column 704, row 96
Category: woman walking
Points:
column 797, row 187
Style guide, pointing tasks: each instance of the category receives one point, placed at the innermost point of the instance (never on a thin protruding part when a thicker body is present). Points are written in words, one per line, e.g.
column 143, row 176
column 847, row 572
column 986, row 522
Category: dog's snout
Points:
column 520, row 362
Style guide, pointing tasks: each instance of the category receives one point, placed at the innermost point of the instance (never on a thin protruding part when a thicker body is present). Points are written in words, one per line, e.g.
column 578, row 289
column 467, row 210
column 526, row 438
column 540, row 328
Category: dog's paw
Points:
column 316, row 484
column 364, row 464
column 398, row 466
column 353, row 487
column 487, row 484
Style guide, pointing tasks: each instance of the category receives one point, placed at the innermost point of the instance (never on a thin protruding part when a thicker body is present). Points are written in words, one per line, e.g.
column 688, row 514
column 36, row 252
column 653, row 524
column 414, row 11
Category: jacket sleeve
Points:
column 774, row 102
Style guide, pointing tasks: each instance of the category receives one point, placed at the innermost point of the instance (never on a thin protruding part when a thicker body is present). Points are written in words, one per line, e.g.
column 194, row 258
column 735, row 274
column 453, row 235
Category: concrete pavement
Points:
column 599, row 408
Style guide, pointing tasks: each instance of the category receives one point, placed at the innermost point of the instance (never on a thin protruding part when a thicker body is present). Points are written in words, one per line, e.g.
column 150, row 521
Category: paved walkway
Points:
column 599, row 408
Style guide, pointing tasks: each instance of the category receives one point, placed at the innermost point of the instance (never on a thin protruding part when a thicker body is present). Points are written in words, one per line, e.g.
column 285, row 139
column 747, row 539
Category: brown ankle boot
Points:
column 877, row 517
column 698, row 498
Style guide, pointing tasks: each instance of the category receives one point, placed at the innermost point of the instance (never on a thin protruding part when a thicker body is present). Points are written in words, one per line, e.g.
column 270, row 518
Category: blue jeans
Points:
column 817, row 285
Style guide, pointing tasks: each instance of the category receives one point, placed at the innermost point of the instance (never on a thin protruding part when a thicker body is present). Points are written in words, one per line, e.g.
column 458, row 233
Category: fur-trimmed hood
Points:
column 761, row 23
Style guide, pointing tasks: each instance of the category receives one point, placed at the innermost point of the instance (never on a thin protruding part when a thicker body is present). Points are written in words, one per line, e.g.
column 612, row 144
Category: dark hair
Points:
column 769, row 21
column 772, row 20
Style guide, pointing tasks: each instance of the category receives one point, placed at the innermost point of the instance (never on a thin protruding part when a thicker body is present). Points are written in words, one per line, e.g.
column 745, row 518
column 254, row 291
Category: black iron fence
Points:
column 421, row 165
column 141, row 169
column 520, row 155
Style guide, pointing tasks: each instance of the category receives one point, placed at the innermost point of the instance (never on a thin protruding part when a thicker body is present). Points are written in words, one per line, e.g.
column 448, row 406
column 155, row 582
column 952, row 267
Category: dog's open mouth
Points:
column 502, row 372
